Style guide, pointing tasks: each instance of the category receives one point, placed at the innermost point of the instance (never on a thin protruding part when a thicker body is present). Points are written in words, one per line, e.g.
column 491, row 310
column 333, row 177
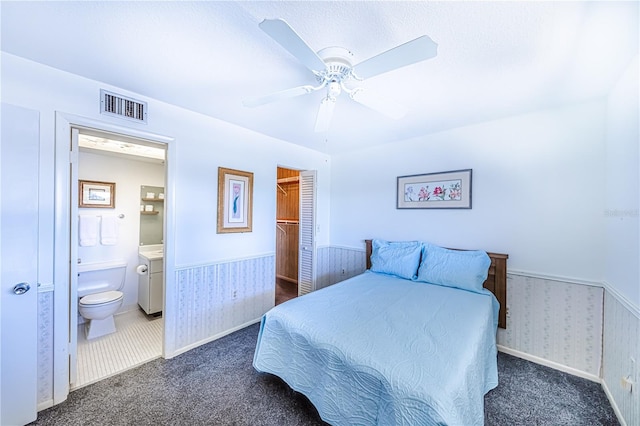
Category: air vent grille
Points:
column 122, row 106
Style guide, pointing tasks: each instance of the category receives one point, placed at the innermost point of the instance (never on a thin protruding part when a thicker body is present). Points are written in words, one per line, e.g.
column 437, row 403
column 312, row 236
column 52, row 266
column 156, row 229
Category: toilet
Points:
column 99, row 294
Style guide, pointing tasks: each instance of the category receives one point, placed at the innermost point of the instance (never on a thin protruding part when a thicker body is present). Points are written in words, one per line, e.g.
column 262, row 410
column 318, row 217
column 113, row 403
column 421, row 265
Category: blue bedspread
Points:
column 377, row 349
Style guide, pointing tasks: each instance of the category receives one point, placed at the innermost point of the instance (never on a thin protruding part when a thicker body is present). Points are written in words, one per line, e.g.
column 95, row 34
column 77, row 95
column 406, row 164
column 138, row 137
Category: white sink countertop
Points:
column 152, row 252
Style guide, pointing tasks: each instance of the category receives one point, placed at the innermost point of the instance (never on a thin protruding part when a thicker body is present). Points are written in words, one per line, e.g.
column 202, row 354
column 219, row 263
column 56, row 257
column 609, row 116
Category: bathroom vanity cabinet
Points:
column 151, row 285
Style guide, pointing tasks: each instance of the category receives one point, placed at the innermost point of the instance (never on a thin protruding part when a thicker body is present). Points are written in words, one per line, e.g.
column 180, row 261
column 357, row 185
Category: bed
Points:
column 389, row 347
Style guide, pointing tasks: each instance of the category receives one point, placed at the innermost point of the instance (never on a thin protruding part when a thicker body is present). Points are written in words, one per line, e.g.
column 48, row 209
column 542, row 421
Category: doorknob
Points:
column 21, row 288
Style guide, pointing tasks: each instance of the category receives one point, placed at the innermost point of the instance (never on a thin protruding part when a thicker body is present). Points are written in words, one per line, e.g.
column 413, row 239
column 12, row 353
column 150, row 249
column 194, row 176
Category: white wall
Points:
column 128, row 175
column 202, row 144
column 622, row 273
column 622, row 194
column 538, row 182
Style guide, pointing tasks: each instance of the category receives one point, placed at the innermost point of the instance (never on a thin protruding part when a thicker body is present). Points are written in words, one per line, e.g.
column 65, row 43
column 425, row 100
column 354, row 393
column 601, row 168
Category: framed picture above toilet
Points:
column 94, row 194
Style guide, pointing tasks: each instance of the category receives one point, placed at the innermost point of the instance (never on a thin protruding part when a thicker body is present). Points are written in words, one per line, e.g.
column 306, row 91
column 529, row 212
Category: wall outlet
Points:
column 344, row 271
column 234, row 293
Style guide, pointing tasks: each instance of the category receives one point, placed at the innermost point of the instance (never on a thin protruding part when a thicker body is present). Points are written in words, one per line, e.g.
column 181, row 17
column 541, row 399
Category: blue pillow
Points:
column 396, row 258
column 467, row 270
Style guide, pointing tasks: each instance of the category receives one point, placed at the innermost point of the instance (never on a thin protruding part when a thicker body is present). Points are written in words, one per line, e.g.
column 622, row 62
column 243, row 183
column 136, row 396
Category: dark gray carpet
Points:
column 215, row 384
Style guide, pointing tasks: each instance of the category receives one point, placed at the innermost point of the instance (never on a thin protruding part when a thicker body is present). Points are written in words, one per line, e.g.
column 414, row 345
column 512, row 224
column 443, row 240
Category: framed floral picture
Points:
column 96, row 194
column 235, row 193
column 442, row 190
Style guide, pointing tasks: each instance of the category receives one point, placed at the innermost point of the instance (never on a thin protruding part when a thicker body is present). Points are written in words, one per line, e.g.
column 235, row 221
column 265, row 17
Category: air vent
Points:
column 123, row 107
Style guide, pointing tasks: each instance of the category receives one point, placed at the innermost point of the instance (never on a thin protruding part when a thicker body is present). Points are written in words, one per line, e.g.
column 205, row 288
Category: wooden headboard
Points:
column 496, row 281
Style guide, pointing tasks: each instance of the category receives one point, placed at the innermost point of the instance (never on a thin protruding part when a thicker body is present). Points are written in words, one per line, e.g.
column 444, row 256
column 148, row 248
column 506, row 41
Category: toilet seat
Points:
column 101, row 298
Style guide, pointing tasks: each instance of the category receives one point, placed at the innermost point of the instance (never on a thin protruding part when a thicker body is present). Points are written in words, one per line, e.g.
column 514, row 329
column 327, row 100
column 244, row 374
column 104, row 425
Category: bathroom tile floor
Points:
column 138, row 340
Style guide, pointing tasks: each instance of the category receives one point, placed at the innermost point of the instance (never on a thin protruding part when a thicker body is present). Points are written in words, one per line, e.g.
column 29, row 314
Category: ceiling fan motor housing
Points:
column 338, row 65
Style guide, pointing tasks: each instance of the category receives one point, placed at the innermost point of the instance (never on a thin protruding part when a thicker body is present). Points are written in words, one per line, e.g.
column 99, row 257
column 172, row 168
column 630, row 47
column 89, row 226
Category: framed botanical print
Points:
column 235, row 196
column 442, row 190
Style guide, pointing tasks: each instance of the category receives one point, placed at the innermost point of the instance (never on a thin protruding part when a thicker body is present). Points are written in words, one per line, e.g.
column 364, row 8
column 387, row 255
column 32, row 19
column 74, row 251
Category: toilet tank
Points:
column 96, row 277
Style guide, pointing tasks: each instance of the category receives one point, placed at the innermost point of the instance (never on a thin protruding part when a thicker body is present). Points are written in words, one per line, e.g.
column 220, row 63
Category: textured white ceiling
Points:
column 495, row 59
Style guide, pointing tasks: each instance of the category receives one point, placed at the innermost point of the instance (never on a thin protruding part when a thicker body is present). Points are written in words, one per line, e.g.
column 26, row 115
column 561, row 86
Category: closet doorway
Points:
column 287, row 234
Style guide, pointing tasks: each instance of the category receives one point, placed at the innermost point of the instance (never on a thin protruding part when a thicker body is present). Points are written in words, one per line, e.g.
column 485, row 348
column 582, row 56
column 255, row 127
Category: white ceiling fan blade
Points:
column 417, row 50
column 283, row 94
column 384, row 106
column 281, row 32
column 324, row 114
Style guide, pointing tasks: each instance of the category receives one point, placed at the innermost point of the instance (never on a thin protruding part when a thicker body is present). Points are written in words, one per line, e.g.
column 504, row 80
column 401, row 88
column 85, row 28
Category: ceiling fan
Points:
column 334, row 70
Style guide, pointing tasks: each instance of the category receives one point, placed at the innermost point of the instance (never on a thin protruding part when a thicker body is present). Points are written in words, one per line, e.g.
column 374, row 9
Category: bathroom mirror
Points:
column 151, row 215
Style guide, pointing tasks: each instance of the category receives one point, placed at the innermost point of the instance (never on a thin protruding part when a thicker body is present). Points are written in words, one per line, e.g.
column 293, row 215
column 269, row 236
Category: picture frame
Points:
column 235, row 200
column 441, row 190
column 96, row 194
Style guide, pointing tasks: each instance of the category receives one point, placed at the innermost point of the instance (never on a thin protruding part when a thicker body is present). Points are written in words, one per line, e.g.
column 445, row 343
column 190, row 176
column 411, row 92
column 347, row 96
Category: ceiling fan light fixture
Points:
column 333, row 90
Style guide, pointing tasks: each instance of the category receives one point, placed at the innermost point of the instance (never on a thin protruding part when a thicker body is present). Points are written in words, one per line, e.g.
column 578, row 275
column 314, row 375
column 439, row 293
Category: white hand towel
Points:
column 109, row 230
column 88, row 230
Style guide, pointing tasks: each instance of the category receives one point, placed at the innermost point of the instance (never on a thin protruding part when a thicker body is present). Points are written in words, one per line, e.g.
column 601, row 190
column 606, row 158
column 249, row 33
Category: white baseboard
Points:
column 45, row 404
column 613, row 404
column 551, row 364
column 212, row 338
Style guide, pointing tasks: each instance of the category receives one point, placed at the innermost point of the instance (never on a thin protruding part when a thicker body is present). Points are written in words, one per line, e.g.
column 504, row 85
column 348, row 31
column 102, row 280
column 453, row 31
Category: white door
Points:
column 307, row 239
column 19, row 151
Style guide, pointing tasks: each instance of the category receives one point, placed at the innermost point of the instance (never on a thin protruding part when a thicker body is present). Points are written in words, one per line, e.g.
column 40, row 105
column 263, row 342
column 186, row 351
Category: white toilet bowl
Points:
column 99, row 295
column 98, row 310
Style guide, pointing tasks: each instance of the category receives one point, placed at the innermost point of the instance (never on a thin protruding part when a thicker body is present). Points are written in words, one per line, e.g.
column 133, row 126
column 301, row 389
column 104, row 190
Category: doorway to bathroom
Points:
column 132, row 171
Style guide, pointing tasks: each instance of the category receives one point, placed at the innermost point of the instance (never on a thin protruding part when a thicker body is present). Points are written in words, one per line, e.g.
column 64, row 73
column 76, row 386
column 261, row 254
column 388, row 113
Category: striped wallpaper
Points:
column 216, row 298
column 621, row 343
column 45, row 348
column 554, row 320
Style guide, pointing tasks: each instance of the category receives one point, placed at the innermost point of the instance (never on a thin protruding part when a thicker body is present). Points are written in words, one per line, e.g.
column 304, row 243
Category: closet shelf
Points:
column 154, row 212
column 289, row 179
column 159, row 200
column 288, row 221
column 291, row 280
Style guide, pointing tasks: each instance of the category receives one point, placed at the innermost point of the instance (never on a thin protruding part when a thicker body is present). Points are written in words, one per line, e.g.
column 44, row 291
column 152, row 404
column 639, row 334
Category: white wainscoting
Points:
column 45, row 347
column 216, row 299
column 555, row 320
column 335, row 264
column 621, row 343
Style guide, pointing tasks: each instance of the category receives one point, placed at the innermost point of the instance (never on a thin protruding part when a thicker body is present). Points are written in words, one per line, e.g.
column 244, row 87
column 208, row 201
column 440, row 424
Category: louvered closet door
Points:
column 307, row 241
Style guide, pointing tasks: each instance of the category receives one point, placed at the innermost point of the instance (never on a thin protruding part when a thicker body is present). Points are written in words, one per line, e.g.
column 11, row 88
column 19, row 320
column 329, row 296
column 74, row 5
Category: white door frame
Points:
column 62, row 239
